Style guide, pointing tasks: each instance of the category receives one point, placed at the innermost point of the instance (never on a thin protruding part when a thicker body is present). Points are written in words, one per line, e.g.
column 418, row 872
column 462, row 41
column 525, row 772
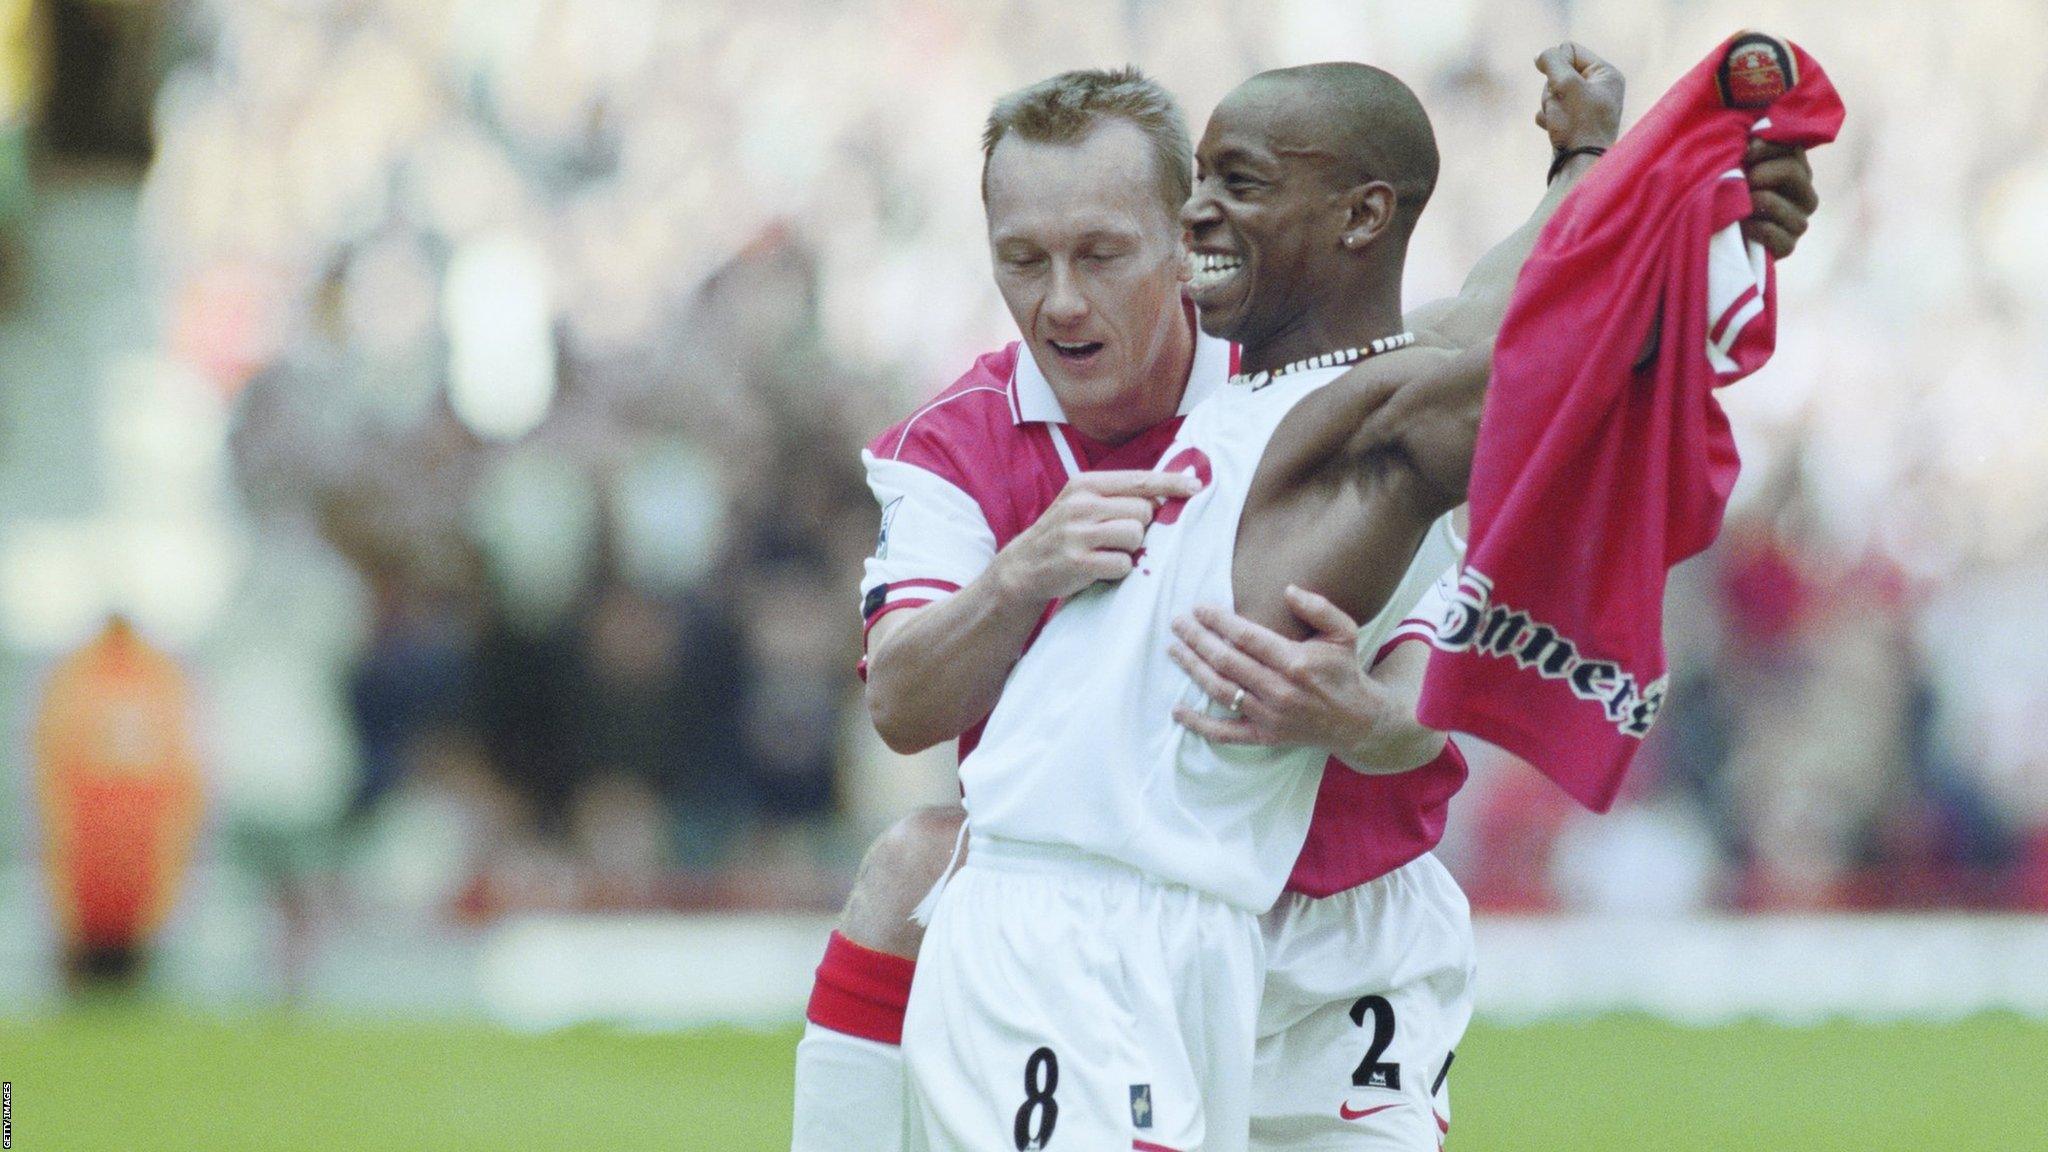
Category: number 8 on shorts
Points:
column 1040, row 1111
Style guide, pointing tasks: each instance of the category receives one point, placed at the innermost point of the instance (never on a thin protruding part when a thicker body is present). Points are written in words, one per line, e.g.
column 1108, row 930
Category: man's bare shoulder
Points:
column 1373, row 382
column 1315, row 433
column 1406, row 415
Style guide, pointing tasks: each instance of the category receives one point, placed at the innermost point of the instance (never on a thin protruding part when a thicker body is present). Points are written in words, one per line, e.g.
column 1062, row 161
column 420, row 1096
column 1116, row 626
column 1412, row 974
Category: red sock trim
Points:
column 861, row 992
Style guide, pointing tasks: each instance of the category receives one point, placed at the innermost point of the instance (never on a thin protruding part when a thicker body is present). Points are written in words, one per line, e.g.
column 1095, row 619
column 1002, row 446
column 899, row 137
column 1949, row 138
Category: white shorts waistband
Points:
column 998, row 853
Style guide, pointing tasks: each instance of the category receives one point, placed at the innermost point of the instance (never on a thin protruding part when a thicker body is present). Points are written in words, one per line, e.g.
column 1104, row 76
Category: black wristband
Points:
column 1564, row 157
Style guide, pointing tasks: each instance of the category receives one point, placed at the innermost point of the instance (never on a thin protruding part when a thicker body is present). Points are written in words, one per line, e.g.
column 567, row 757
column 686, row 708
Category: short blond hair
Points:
column 1065, row 108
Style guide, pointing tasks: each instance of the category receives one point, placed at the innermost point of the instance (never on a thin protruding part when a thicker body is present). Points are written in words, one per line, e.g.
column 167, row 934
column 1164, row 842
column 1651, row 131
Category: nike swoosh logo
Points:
column 1344, row 1111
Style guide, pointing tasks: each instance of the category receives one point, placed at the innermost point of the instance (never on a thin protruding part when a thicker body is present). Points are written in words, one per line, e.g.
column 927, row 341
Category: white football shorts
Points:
column 1069, row 1003
column 1367, row 995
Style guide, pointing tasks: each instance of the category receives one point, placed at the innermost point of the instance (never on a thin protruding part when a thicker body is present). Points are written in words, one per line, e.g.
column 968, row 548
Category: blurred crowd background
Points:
column 468, row 394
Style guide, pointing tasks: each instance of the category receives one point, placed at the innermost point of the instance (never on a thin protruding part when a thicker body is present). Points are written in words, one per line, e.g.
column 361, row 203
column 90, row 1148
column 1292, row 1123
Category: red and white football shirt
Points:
column 980, row 463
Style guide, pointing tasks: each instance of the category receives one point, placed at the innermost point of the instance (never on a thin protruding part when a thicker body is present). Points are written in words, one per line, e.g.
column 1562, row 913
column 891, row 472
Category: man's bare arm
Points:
column 1397, row 742
column 1434, row 419
column 1310, row 693
column 934, row 671
column 1432, row 424
column 1424, row 402
column 1582, row 100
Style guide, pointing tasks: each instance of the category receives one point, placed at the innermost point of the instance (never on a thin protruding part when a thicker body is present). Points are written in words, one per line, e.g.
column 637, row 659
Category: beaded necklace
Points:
column 1339, row 359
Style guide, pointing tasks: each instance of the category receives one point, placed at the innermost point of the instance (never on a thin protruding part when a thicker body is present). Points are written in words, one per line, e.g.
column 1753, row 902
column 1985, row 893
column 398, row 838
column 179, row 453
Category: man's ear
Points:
column 1369, row 213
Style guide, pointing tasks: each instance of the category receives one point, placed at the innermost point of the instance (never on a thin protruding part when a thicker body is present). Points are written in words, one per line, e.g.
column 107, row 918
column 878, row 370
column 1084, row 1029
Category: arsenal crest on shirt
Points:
column 1756, row 71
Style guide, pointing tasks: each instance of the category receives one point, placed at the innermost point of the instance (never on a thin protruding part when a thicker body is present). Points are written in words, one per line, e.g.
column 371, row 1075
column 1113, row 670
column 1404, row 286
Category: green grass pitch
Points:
column 111, row 1078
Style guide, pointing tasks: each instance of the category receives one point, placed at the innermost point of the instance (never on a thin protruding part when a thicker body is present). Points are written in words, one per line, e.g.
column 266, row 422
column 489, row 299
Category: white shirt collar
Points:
column 1032, row 398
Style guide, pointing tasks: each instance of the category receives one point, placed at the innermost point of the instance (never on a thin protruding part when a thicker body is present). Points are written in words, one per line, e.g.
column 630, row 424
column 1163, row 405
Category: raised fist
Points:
column 1581, row 98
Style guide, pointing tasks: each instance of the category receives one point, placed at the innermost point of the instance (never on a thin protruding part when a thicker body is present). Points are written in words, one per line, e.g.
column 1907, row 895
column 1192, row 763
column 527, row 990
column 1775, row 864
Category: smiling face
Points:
column 1088, row 259
column 1265, row 224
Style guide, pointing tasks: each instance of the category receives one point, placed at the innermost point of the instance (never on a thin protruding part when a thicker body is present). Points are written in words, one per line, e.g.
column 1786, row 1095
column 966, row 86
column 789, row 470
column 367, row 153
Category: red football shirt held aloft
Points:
column 1594, row 475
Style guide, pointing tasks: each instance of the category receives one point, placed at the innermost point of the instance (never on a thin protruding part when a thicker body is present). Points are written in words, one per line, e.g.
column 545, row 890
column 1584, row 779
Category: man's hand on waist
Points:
column 1306, row 693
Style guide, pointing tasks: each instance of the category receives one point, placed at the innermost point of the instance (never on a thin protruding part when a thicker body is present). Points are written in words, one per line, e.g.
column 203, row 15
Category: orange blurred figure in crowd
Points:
column 119, row 781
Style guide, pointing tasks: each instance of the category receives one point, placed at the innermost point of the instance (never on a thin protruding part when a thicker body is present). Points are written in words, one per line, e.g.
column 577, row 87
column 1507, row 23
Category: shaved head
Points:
column 1361, row 124
column 1308, row 183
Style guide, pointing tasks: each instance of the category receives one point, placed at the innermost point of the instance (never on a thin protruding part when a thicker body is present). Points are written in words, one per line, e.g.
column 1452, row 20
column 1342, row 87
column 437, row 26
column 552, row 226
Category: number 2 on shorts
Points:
column 1041, row 1079
column 1372, row 1073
